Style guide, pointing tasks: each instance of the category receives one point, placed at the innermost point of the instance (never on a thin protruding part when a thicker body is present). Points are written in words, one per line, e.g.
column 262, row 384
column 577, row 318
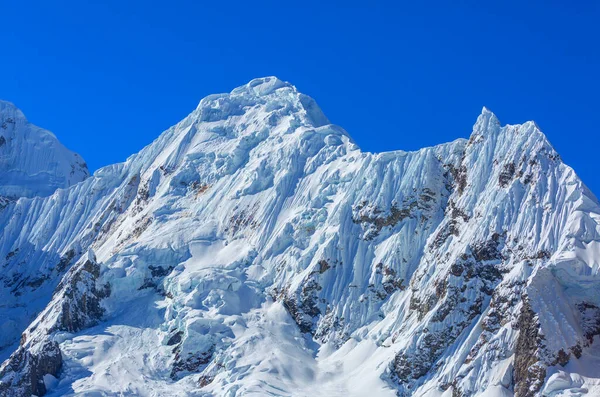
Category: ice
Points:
column 32, row 161
column 254, row 249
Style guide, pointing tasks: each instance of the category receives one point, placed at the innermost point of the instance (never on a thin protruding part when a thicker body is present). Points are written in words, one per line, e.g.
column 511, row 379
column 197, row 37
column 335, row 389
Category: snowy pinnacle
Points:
column 32, row 161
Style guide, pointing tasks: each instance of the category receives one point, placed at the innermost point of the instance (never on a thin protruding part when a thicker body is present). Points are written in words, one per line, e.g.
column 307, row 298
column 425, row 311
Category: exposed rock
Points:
column 65, row 260
column 198, row 187
column 373, row 219
column 409, row 366
column 81, row 297
column 22, row 375
column 507, row 174
column 175, row 338
column 590, row 318
column 528, row 372
column 190, row 364
column 459, row 174
column 488, row 250
column 242, row 219
column 562, row 358
column 449, row 229
column 323, row 266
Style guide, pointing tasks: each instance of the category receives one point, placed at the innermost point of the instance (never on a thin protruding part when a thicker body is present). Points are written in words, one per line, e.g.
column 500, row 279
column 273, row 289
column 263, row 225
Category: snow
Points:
column 254, row 249
column 32, row 161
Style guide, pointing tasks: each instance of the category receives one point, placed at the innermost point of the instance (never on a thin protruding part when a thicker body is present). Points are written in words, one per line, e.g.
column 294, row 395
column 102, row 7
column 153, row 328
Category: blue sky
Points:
column 108, row 76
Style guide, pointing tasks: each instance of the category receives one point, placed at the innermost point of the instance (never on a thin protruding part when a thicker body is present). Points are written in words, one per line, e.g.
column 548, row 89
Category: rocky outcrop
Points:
column 373, row 219
column 23, row 374
column 81, row 297
column 529, row 371
column 190, row 363
column 75, row 306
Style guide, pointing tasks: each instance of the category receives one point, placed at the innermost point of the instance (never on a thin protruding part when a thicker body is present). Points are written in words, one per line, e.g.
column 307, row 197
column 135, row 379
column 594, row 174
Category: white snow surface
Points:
column 32, row 161
column 253, row 249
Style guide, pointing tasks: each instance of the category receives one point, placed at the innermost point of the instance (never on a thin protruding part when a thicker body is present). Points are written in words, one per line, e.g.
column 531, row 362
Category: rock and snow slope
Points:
column 253, row 249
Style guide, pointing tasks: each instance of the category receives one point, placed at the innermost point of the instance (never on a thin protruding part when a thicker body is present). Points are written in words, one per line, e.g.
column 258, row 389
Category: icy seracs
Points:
column 253, row 249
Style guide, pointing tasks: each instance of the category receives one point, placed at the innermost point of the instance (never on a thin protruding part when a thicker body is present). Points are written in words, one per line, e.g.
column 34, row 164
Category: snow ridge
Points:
column 254, row 249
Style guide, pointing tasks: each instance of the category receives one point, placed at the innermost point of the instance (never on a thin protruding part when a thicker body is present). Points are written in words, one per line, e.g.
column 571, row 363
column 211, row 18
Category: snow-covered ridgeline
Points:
column 253, row 248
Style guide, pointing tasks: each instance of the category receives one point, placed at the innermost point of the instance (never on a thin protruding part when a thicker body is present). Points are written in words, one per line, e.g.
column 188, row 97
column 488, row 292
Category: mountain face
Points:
column 254, row 249
column 32, row 161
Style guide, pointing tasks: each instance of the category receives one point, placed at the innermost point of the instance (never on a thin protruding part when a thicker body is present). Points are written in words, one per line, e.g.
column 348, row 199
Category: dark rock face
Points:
column 374, row 220
column 5, row 123
column 562, row 358
column 312, row 314
column 156, row 274
column 455, row 216
column 459, row 174
column 590, row 316
column 81, row 304
column 488, row 250
column 449, row 229
column 175, row 338
column 303, row 307
column 451, row 306
column 408, row 367
column 507, row 174
column 205, row 380
column 501, row 312
column 65, row 260
column 386, row 283
column 23, row 373
column 529, row 372
column 78, row 306
column 323, row 266
column 192, row 363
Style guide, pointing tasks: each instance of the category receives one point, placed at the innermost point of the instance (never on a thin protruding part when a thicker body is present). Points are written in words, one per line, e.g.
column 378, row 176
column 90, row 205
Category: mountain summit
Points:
column 254, row 249
column 32, row 161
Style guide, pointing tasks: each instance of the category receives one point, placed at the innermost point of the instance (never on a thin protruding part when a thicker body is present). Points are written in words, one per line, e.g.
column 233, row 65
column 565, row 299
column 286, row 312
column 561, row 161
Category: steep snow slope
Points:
column 253, row 249
column 32, row 161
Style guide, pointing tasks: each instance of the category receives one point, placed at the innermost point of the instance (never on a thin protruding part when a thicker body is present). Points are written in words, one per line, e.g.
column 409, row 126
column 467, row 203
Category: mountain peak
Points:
column 486, row 122
column 262, row 86
column 488, row 126
column 8, row 110
column 32, row 160
column 275, row 95
column 254, row 91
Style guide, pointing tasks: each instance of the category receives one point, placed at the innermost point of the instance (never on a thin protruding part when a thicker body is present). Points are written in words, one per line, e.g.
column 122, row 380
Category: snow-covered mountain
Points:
column 254, row 249
column 32, row 161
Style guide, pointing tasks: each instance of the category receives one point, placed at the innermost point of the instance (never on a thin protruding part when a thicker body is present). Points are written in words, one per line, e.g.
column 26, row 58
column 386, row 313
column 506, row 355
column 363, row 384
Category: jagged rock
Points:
column 507, row 174
column 80, row 296
column 590, row 314
column 529, row 372
column 191, row 363
column 22, row 375
column 459, row 174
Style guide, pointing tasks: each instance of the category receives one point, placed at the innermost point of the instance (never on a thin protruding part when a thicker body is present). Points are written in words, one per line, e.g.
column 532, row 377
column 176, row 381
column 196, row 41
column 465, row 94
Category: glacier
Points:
column 254, row 249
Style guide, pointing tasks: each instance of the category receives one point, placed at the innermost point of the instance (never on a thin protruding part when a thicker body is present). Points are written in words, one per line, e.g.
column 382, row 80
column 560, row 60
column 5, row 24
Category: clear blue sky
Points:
column 108, row 76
